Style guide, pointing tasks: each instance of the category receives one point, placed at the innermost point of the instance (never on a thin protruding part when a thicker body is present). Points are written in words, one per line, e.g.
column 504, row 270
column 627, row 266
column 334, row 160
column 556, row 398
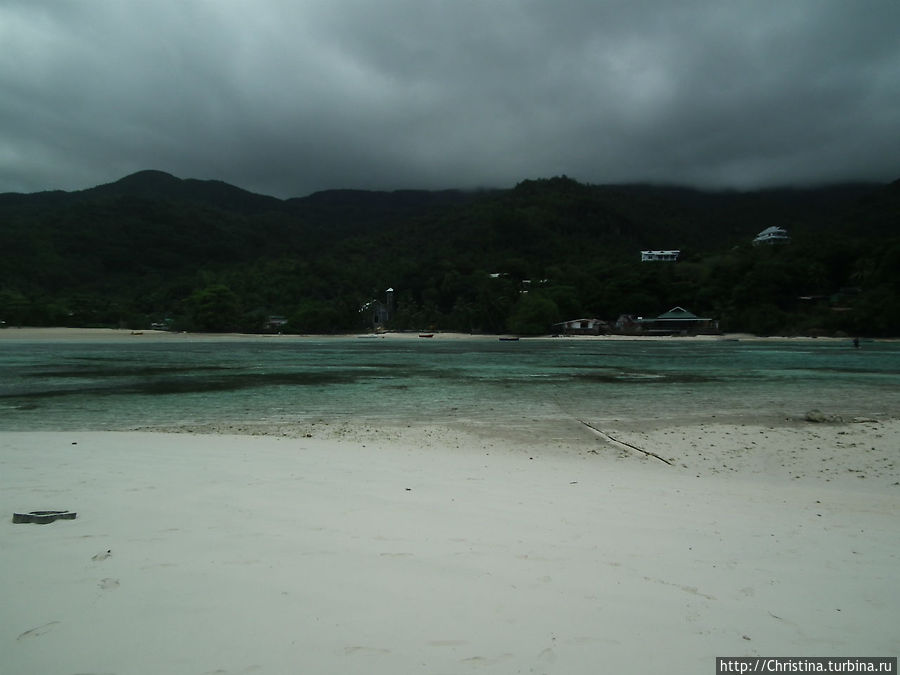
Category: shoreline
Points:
column 26, row 333
column 855, row 453
column 221, row 553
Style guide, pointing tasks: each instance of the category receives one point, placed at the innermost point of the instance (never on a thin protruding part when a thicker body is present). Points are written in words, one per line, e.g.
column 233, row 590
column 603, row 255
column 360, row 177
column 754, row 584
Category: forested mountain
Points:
column 205, row 255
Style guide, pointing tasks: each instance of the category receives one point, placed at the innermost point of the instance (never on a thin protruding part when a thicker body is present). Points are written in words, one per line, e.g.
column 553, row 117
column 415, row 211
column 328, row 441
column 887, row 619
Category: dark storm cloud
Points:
column 287, row 96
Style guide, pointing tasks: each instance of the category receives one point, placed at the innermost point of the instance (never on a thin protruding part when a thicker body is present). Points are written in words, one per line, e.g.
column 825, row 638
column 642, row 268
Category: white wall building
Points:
column 659, row 256
column 772, row 235
column 582, row 327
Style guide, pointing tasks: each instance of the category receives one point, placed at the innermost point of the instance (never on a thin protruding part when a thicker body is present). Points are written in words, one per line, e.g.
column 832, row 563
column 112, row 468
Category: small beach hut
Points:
column 678, row 320
column 581, row 327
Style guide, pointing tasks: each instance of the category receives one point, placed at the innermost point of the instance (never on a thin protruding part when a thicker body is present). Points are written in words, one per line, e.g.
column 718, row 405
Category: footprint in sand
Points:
column 101, row 556
column 547, row 655
column 108, row 584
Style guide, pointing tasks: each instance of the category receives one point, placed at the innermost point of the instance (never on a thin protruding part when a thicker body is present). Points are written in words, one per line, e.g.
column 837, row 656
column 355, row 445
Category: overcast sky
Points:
column 286, row 97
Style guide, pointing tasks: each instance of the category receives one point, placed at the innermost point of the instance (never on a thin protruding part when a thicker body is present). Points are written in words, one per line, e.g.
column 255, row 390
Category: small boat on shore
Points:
column 509, row 339
column 426, row 335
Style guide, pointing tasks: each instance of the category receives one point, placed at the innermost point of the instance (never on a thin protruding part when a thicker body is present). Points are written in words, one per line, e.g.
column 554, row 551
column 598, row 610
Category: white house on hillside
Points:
column 772, row 235
column 659, row 256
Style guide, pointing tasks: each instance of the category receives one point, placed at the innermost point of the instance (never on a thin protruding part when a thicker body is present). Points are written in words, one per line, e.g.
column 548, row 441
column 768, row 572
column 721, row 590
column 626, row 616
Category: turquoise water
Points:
column 130, row 383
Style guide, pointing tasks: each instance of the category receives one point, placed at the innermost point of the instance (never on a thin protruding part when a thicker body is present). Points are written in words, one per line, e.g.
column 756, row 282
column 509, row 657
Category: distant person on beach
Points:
column 856, row 343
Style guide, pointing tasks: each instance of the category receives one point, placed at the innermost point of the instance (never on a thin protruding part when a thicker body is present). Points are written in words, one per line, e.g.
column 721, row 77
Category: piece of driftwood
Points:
column 43, row 517
column 616, row 441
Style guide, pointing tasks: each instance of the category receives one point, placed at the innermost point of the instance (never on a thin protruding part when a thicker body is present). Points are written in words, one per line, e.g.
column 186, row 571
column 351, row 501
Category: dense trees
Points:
column 207, row 256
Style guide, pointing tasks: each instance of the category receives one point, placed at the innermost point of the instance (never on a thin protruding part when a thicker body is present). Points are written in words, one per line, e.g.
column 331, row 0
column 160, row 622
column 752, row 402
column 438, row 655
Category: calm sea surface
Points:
column 129, row 383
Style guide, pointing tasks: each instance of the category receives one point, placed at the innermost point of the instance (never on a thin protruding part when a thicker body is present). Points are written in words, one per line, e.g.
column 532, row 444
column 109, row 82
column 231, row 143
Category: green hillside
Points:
column 204, row 255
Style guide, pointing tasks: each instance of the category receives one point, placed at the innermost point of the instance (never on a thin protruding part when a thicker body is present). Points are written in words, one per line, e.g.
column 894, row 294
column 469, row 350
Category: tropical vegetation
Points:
column 155, row 250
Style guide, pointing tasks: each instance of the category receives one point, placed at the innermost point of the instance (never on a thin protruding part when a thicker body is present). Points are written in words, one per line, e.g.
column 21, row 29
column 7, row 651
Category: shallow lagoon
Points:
column 130, row 383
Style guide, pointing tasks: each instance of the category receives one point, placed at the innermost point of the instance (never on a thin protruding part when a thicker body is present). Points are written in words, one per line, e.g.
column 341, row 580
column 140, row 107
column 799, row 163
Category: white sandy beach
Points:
column 438, row 551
